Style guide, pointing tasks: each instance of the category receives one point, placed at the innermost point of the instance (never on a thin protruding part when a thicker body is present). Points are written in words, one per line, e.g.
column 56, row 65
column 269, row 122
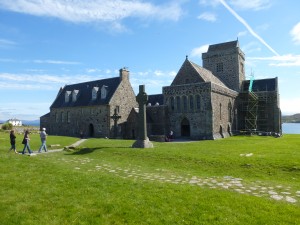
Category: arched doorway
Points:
column 185, row 128
column 91, row 130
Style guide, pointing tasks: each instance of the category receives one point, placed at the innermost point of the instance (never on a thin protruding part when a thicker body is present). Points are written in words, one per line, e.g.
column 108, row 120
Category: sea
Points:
column 291, row 128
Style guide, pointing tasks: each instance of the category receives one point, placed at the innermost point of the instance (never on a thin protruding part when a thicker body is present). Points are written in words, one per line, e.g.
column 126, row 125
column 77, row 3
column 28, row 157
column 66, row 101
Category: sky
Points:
column 46, row 44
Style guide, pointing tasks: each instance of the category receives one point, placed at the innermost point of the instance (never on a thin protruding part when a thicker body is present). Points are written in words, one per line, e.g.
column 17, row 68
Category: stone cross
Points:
column 142, row 141
column 115, row 117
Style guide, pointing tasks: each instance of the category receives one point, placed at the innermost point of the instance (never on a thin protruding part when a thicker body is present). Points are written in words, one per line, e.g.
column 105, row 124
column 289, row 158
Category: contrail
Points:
column 247, row 26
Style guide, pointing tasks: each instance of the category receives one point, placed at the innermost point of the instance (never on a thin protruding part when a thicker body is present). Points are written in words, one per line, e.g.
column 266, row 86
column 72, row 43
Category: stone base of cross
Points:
column 142, row 144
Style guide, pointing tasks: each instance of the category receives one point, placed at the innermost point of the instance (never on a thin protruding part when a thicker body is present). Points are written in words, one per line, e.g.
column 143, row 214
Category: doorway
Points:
column 185, row 128
column 91, row 130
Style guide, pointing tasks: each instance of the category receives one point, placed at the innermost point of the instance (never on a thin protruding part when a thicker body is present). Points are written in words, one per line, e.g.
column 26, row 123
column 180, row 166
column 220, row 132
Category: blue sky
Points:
column 46, row 44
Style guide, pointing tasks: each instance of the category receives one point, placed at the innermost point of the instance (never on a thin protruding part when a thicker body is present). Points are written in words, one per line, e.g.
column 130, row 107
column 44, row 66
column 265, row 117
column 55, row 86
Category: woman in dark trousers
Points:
column 12, row 138
column 25, row 142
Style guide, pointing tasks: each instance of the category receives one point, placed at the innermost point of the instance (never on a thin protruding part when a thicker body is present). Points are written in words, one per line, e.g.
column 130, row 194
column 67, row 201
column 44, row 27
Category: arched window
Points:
column 62, row 117
column 68, row 117
column 172, row 103
column 198, row 102
column 178, row 103
column 220, row 111
column 229, row 112
column 191, row 100
column 185, row 103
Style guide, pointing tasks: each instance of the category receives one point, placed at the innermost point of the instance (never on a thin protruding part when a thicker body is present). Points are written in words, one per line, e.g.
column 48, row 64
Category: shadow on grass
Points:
column 84, row 151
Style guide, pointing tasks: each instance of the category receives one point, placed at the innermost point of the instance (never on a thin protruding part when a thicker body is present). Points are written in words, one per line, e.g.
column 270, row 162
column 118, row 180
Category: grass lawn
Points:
column 238, row 180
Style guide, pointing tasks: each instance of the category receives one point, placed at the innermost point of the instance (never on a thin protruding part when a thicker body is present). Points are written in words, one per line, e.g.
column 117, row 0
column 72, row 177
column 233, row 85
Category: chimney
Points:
column 124, row 74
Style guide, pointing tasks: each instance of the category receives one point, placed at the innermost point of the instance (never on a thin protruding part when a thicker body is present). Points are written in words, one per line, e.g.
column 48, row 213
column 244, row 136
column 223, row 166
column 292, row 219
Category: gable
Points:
column 191, row 73
column 186, row 75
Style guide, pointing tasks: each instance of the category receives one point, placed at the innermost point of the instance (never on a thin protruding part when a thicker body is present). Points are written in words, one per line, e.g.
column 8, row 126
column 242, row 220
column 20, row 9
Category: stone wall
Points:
column 93, row 121
column 227, row 65
column 190, row 108
column 124, row 100
column 223, row 103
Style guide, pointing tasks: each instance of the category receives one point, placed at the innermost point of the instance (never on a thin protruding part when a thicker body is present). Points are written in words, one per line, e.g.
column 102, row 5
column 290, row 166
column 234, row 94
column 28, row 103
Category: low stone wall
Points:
column 157, row 138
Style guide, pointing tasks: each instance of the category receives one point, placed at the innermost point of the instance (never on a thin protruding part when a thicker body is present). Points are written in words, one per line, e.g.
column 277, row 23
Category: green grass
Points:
column 108, row 182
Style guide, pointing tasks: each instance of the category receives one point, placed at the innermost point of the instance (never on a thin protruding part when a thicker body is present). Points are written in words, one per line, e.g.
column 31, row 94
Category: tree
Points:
column 7, row 126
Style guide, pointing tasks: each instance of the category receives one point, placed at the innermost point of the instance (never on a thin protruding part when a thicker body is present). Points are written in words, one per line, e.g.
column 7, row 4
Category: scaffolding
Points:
column 251, row 108
column 251, row 112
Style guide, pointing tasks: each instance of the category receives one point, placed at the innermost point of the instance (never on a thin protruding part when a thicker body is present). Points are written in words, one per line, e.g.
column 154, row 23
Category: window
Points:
column 242, row 67
column 191, row 102
column 178, row 104
column 219, row 67
column 220, row 111
column 198, row 102
column 67, row 96
column 75, row 95
column 172, row 103
column 184, row 103
column 94, row 93
column 229, row 112
column 56, row 117
column 62, row 117
column 103, row 92
column 68, row 117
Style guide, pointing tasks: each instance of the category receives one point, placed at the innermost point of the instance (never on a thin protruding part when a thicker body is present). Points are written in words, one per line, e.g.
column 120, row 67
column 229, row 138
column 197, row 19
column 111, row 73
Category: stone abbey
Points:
column 203, row 102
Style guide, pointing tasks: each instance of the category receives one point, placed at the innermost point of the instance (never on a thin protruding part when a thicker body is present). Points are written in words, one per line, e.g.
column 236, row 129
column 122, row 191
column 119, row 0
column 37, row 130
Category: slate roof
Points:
column 153, row 99
column 207, row 75
column 85, row 93
column 269, row 84
column 223, row 46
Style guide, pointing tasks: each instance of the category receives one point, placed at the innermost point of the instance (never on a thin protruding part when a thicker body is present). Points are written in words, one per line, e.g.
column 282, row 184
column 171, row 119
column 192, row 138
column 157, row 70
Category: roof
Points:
column 223, row 46
column 269, row 84
column 207, row 75
column 85, row 93
column 153, row 99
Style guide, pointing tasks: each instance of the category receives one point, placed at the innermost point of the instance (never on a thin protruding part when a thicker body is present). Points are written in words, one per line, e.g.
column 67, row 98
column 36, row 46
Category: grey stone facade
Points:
column 90, row 113
column 208, row 102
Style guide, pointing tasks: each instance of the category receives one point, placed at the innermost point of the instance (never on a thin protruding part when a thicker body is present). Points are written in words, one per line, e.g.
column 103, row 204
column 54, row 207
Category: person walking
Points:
column 25, row 142
column 12, row 138
column 43, row 136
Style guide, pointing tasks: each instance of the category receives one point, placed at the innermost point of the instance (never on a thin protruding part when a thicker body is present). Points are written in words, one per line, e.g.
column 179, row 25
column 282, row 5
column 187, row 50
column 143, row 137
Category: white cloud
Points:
column 6, row 43
column 295, row 33
column 41, row 81
column 251, row 47
column 55, row 62
column 81, row 11
column 22, row 111
column 252, row 4
column 208, row 17
column 288, row 60
column 242, row 33
column 240, row 4
column 197, row 52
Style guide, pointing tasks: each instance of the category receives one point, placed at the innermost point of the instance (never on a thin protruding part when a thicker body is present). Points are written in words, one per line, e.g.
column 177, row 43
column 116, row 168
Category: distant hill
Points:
column 31, row 122
column 291, row 119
